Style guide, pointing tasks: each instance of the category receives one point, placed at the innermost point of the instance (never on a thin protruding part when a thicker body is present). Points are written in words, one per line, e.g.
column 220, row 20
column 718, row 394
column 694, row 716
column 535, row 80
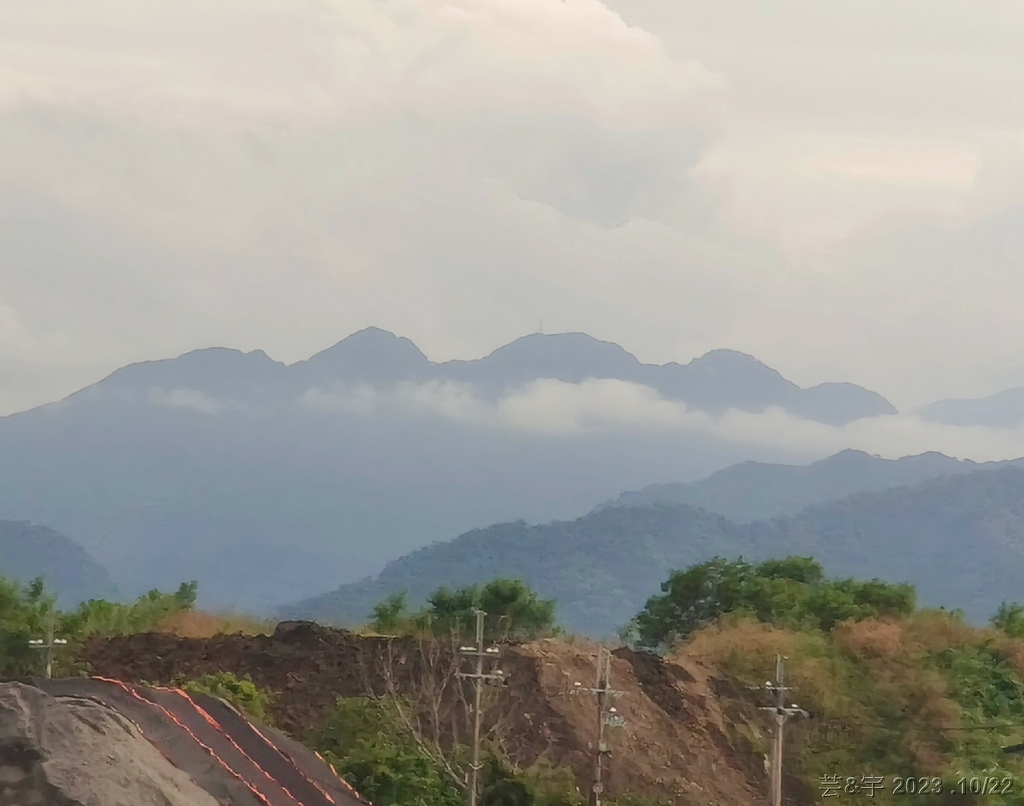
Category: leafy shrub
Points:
column 241, row 692
column 543, row 784
column 364, row 740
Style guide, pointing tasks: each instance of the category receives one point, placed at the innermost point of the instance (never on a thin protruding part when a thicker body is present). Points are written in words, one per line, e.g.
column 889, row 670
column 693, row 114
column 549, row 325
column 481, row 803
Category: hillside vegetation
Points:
column 893, row 693
column 920, row 697
column 958, row 539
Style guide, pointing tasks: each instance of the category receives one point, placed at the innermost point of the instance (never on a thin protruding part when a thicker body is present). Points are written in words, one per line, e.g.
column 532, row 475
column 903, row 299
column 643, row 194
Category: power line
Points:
column 782, row 715
column 607, row 717
column 836, row 725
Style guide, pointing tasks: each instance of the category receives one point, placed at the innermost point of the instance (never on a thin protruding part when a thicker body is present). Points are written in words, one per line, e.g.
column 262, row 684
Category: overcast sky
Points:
column 834, row 187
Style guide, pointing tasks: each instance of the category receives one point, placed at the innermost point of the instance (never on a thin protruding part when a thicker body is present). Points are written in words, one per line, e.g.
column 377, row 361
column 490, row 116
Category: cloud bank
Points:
column 828, row 187
column 558, row 409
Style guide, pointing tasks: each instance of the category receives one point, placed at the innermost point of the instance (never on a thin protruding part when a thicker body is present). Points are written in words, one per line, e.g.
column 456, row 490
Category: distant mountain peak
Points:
column 722, row 355
column 571, row 344
column 734, row 362
column 718, row 381
column 372, row 339
column 847, row 456
column 371, row 354
column 204, row 368
column 568, row 357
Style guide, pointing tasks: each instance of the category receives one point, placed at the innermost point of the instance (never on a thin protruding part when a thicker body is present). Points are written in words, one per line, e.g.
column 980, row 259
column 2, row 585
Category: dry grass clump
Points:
column 203, row 624
column 936, row 630
column 739, row 645
column 873, row 682
column 884, row 639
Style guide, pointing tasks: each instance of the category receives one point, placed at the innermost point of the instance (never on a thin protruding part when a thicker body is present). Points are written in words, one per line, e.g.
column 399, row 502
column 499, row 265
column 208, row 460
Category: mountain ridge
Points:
column 1003, row 409
column 751, row 491
column 28, row 551
column 715, row 382
column 216, row 467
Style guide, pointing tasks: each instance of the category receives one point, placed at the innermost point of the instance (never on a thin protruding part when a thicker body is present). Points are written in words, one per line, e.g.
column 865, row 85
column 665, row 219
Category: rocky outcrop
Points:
column 61, row 751
column 103, row 742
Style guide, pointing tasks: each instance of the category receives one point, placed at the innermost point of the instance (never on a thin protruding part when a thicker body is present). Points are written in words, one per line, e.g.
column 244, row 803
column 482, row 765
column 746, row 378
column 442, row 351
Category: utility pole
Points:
column 607, row 717
column 48, row 645
column 782, row 714
column 479, row 677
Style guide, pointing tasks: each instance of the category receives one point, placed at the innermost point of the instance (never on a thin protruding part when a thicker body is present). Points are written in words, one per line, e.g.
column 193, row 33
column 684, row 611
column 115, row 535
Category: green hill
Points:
column 958, row 539
column 28, row 551
column 753, row 491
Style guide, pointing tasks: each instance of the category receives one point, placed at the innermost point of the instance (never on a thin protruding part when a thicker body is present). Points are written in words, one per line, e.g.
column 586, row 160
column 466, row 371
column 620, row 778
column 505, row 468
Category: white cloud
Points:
column 190, row 399
column 673, row 177
column 551, row 406
column 453, row 401
column 296, row 66
column 843, row 119
column 559, row 409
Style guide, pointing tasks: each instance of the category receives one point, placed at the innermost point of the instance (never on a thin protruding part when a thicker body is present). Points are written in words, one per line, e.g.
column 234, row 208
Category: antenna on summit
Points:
column 540, row 326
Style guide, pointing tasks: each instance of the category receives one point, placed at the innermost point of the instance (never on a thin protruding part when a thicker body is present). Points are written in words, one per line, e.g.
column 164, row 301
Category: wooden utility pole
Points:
column 479, row 654
column 48, row 644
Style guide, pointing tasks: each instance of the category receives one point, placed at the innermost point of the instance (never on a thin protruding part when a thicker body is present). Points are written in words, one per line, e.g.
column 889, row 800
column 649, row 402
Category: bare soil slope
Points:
column 680, row 738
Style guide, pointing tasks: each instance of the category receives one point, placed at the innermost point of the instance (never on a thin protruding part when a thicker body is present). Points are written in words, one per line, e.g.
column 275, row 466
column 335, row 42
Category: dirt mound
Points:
column 679, row 738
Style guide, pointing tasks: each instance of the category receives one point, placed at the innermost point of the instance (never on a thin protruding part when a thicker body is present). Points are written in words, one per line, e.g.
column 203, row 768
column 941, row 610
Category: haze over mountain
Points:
column 28, row 552
column 959, row 539
column 1002, row 410
column 752, row 491
column 716, row 382
column 261, row 479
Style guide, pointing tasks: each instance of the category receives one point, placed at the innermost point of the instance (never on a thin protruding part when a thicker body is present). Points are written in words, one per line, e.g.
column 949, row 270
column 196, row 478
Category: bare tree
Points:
column 418, row 678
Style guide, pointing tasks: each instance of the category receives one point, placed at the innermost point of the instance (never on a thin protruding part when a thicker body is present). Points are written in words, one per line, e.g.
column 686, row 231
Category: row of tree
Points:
column 28, row 612
column 793, row 591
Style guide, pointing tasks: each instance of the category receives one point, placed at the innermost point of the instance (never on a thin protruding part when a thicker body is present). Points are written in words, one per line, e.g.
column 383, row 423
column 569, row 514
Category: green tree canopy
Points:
column 100, row 617
column 366, row 742
column 514, row 611
column 24, row 611
column 1010, row 619
column 792, row 591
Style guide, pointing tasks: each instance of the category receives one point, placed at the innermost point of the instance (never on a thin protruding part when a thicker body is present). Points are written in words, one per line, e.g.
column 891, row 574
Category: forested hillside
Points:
column 28, row 551
column 260, row 479
column 754, row 491
column 959, row 539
